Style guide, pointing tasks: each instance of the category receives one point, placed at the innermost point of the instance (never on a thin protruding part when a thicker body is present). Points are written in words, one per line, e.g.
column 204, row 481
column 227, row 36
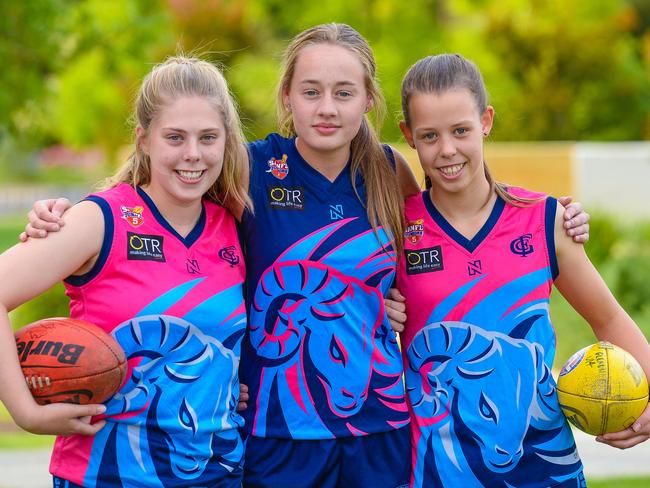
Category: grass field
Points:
column 10, row 227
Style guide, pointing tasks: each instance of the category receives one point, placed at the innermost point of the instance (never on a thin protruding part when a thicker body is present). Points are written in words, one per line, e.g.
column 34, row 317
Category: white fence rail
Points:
column 614, row 177
column 18, row 198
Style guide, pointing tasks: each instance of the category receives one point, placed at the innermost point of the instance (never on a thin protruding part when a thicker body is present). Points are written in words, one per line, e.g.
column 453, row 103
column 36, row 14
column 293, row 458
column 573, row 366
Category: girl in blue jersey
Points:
column 176, row 307
column 321, row 361
column 477, row 274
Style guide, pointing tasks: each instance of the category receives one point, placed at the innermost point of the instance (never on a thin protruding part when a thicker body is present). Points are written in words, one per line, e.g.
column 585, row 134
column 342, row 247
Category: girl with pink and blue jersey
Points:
column 155, row 261
column 479, row 262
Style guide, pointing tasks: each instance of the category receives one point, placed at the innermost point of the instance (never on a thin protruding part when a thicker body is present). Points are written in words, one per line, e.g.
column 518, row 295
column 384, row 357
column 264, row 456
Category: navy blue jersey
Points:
column 320, row 358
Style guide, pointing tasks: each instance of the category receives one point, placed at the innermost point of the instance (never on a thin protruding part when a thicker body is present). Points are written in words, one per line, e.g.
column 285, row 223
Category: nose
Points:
column 192, row 153
column 326, row 105
column 447, row 147
column 347, row 393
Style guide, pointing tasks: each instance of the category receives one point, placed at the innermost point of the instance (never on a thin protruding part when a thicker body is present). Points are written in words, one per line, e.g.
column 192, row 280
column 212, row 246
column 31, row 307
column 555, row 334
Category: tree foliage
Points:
column 555, row 70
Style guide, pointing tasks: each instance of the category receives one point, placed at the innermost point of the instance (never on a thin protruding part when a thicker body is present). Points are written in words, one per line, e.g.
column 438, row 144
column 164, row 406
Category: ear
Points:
column 406, row 131
column 487, row 119
column 141, row 139
column 369, row 104
column 285, row 97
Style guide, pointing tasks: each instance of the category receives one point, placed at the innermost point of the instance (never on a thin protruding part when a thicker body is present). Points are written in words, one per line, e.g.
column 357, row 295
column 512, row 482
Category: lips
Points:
column 326, row 128
column 452, row 170
column 190, row 176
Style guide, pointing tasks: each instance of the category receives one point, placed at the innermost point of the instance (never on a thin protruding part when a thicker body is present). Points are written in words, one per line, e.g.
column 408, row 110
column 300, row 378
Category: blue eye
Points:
column 337, row 352
column 429, row 136
column 487, row 411
column 187, row 417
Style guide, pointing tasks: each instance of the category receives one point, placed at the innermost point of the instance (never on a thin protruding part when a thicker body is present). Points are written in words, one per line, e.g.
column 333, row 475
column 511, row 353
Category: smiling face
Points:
column 447, row 131
column 185, row 144
column 327, row 97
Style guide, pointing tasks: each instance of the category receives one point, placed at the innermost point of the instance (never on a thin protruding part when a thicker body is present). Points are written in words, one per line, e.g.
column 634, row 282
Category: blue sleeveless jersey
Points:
column 320, row 358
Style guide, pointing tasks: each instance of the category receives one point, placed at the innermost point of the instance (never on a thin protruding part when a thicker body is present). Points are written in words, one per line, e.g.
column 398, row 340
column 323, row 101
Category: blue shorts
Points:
column 378, row 460
column 61, row 483
column 232, row 480
column 577, row 482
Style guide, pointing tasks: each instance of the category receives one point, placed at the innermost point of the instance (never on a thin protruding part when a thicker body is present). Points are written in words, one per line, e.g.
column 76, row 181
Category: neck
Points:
column 329, row 163
column 468, row 209
column 182, row 216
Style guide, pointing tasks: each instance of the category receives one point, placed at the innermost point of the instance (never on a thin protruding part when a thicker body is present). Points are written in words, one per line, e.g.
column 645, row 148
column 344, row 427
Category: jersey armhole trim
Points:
column 106, row 244
column 549, row 226
column 390, row 155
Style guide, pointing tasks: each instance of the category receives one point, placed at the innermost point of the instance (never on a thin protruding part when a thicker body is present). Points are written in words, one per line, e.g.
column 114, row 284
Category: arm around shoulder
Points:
column 405, row 177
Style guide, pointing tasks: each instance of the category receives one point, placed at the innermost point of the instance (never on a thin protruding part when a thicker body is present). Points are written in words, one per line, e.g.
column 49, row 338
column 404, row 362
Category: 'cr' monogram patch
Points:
column 282, row 198
column 522, row 246
column 229, row 255
column 424, row 260
column 143, row 247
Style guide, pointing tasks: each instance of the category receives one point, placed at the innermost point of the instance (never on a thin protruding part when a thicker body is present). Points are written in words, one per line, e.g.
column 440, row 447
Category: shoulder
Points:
column 413, row 205
column 405, row 176
column 270, row 143
column 519, row 192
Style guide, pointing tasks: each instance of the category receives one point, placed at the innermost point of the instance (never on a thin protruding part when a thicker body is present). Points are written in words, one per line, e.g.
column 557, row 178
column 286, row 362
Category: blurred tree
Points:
column 572, row 69
column 112, row 45
column 33, row 34
column 555, row 70
column 31, row 37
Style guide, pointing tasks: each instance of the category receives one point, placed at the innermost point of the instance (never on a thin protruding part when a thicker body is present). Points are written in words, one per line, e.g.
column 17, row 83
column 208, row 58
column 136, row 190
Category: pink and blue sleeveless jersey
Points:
column 320, row 358
column 478, row 349
column 175, row 305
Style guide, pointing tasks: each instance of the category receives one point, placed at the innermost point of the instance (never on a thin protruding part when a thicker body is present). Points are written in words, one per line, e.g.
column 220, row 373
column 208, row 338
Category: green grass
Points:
column 10, row 227
column 636, row 482
column 11, row 437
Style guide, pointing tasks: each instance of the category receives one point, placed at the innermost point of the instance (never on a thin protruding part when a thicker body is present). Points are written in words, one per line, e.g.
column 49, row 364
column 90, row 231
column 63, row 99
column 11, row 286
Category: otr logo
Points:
column 140, row 242
column 286, row 198
column 427, row 256
column 286, row 195
column 145, row 247
column 424, row 260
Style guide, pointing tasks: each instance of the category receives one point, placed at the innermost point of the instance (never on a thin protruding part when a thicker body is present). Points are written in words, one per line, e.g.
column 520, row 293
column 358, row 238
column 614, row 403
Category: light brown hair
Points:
column 182, row 76
column 384, row 203
column 437, row 74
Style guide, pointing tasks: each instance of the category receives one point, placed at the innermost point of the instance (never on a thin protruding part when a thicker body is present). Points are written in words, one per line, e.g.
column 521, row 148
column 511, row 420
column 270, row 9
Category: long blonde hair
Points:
column 437, row 74
column 188, row 76
column 384, row 204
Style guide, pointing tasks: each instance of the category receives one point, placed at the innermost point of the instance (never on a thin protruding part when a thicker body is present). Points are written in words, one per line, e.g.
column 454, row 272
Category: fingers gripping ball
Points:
column 602, row 389
column 69, row 360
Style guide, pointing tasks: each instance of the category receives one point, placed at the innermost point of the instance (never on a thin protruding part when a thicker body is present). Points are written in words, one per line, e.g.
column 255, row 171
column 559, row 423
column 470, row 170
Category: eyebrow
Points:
column 209, row 129
column 318, row 82
column 454, row 125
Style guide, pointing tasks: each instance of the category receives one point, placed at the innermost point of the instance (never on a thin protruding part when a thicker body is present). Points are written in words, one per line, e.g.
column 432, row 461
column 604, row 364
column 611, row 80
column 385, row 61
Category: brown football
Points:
column 70, row 360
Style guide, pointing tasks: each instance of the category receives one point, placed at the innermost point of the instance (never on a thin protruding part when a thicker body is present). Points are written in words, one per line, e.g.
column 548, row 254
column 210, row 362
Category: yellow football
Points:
column 602, row 388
